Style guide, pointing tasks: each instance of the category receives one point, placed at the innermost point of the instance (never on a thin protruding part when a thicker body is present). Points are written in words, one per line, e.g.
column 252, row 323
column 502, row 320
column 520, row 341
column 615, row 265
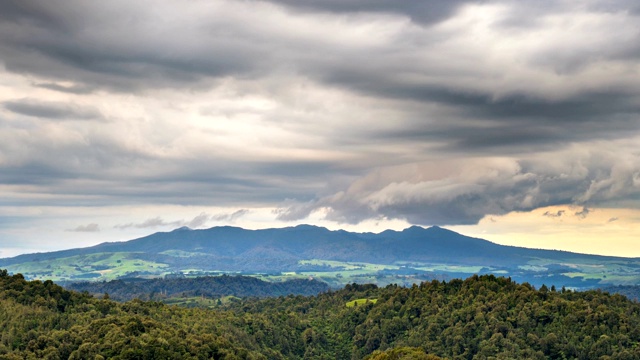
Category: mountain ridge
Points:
column 409, row 255
column 416, row 230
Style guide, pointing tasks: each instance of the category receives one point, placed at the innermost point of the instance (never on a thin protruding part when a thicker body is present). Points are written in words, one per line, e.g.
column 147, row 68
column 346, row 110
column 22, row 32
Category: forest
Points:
column 160, row 289
column 482, row 317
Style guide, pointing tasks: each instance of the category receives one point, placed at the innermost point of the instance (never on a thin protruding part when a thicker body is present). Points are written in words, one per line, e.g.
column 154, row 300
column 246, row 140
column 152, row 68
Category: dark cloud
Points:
column 52, row 110
column 107, row 46
column 476, row 122
column 68, row 41
column 33, row 173
column 508, row 83
column 422, row 12
column 72, row 89
column 582, row 214
column 470, row 191
column 93, row 227
column 556, row 214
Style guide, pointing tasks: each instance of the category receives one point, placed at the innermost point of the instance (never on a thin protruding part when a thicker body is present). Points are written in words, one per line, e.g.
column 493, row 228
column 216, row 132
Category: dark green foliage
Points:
column 403, row 353
column 209, row 286
column 482, row 317
column 630, row 291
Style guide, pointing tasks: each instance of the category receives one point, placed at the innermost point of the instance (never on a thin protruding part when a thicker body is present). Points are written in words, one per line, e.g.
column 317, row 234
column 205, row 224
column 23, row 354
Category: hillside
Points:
column 478, row 318
column 209, row 287
column 336, row 257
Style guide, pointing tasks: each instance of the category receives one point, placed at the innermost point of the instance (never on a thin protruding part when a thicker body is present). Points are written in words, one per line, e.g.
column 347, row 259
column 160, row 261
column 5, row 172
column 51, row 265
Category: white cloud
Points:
column 93, row 227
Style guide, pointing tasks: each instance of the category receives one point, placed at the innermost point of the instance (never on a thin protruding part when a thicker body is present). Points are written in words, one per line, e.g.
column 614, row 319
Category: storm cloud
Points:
column 433, row 112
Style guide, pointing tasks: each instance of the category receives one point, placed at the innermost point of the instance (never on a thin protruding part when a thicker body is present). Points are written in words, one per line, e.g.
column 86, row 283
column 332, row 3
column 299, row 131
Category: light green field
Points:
column 348, row 266
column 340, row 273
column 451, row 268
column 199, row 301
column 102, row 266
column 360, row 302
column 180, row 253
column 337, row 274
column 536, row 268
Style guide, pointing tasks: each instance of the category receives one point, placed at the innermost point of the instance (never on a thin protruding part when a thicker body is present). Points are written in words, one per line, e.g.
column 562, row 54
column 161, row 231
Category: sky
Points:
column 514, row 121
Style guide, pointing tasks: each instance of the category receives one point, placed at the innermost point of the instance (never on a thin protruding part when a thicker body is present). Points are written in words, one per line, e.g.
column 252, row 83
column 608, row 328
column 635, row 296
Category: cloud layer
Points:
column 433, row 112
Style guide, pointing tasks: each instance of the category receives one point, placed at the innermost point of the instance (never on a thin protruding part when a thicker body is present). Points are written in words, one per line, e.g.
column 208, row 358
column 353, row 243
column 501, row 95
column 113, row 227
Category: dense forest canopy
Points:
column 205, row 286
column 481, row 317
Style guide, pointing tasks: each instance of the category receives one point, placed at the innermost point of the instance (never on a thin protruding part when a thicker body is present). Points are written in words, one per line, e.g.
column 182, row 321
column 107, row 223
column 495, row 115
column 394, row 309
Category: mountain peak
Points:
column 307, row 226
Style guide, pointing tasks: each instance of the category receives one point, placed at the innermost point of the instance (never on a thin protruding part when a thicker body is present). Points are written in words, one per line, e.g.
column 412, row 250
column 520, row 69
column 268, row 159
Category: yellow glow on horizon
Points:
column 602, row 231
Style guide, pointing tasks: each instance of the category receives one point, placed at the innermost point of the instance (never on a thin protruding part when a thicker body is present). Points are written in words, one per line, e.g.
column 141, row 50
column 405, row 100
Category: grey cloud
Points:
column 52, row 110
column 230, row 217
column 476, row 123
column 556, row 214
column 612, row 219
column 465, row 192
column 448, row 103
column 582, row 213
column 68, row 41
column 198, row 221
column 422, row 12
column 102, row 45
column 33, row 173
column 72, row 89
column 93, row 227
column 149, row 223
column 291, row 211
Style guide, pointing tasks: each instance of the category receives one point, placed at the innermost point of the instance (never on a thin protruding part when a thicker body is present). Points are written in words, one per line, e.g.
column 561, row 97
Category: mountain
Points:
column 410, row 255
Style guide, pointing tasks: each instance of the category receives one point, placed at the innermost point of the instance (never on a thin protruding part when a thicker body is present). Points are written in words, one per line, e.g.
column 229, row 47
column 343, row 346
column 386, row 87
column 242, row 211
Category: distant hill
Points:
column 630, row 291
column 209, row 286
column 338, row 257
column 241, row 249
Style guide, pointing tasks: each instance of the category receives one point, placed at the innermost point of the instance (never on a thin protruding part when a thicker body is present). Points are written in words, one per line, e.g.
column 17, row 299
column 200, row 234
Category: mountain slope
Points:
column 310, row 250
column 305, row 242
column 208, row 286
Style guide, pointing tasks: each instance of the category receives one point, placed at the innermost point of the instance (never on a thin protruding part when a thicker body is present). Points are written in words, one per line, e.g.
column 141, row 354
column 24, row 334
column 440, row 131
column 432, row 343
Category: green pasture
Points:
column 349, row 266
column 199, row 301
column 101, row 266
column 183, row 254
column 360, row 302
column 451, row 268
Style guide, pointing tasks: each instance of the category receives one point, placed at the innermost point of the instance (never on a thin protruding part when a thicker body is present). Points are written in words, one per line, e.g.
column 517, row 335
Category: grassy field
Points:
column 199, row 301
column 349, row 266
column 180, row 253
column 102, row 266
column 110, row 266
column 360, row 302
